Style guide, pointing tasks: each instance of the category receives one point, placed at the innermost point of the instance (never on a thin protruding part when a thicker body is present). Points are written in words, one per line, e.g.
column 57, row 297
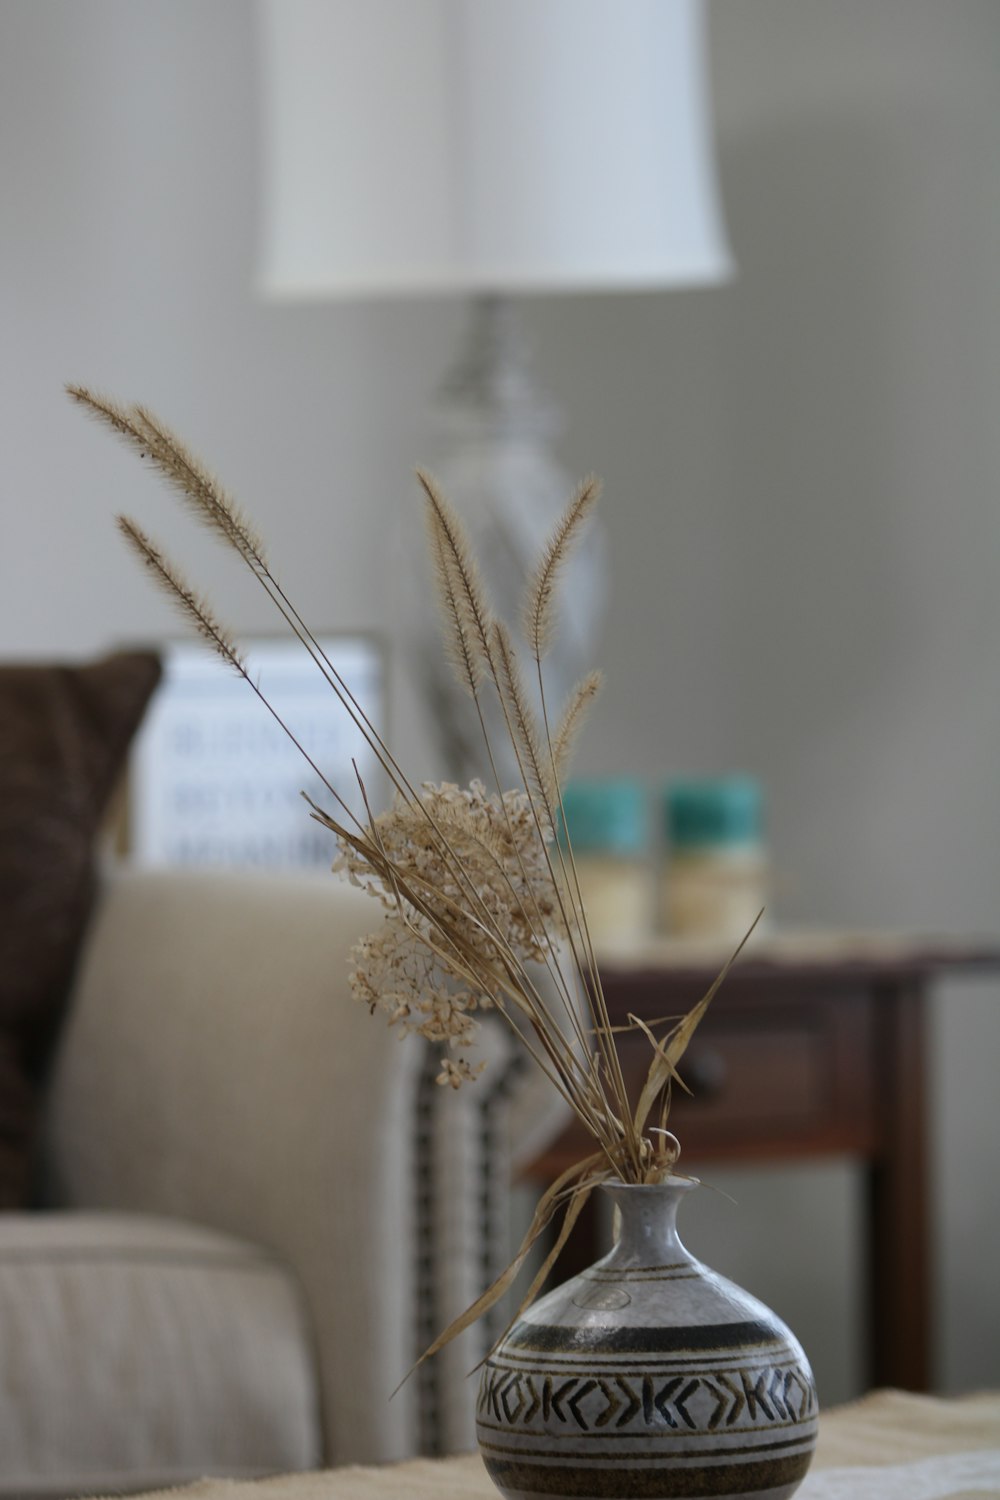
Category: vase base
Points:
column 520, row 1480
column 626, row 1491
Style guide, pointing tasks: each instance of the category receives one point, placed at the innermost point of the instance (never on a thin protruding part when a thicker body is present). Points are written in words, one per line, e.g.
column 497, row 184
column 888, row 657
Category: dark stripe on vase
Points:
column 625, row 1363
column 652, row 1279
column 623, row 1483
column 805, row 1432
column 622, row 1271
column 804, row 1444
column 568, row 1340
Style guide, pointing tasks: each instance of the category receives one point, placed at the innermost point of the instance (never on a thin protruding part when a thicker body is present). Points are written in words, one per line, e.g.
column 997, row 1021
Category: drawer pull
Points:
column 706, row 1073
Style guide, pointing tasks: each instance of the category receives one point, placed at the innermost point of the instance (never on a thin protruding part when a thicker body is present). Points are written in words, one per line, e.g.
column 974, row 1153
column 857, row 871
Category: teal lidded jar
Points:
column 607, row 820
column 715, row 873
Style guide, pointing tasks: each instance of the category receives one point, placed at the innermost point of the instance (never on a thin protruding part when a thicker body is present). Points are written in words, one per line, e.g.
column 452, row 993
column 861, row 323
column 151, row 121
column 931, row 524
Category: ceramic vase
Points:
column 648, row 1375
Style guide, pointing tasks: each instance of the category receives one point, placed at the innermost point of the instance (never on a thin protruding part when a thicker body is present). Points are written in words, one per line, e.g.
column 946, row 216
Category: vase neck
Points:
column 647, row 1223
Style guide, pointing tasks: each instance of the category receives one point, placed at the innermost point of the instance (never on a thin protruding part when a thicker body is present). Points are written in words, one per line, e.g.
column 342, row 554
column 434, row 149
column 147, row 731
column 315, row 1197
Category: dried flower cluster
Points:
column 399, row 968
column 482, row 903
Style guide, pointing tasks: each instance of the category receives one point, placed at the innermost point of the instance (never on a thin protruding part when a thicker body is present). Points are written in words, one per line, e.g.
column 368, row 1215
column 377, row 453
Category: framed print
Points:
column 214, row 780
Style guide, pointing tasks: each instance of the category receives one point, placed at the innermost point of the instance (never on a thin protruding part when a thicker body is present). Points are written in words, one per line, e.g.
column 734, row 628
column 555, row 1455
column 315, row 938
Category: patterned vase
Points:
column 647, row 1376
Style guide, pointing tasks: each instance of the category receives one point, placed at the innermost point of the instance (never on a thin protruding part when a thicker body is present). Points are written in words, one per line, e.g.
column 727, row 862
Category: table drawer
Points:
column 776, row 1074
column 776, row 1078
column 766, row 1075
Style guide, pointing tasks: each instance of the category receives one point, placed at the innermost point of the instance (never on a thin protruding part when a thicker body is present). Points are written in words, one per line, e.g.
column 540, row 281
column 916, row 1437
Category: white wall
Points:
column 801, row 471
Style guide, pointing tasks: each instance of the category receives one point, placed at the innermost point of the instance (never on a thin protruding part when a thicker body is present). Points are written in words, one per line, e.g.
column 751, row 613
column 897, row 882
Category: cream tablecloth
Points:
column 886, row 1446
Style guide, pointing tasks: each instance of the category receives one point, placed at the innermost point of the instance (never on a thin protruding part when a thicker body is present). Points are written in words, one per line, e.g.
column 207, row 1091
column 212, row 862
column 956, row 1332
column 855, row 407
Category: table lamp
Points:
column 491, row 149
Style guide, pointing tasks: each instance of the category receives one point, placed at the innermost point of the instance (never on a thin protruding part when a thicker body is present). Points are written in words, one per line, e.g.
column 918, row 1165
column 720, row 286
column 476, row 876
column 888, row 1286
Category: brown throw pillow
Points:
column 64, row 734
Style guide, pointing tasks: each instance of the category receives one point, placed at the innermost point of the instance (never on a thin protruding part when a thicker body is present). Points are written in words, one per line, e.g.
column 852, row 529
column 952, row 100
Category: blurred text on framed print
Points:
column 214, row 779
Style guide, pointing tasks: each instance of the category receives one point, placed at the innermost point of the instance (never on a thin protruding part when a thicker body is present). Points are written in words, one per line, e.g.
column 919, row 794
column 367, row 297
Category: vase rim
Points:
column 676, row 1181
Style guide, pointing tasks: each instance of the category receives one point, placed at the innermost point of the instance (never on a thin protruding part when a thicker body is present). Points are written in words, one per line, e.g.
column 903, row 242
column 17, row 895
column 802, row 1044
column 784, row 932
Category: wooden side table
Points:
column 813, row 1046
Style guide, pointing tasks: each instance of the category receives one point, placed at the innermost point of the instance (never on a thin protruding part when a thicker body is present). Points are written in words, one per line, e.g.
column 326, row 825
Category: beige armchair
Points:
column 259, row 1202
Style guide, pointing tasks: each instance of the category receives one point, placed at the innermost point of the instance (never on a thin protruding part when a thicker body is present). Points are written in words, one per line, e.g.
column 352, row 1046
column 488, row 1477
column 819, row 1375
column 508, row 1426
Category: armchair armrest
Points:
column 215, row 1067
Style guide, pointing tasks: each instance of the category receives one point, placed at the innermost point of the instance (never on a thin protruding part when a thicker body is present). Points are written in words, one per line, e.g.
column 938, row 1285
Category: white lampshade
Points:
column 418, row 146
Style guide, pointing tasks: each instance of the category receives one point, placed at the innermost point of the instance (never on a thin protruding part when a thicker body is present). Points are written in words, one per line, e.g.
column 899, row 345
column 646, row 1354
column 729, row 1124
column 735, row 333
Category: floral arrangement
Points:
column 481, row 901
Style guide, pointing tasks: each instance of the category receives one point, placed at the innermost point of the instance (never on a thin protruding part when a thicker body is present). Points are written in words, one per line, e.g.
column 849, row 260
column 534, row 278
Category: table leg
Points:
column 898, row 1282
